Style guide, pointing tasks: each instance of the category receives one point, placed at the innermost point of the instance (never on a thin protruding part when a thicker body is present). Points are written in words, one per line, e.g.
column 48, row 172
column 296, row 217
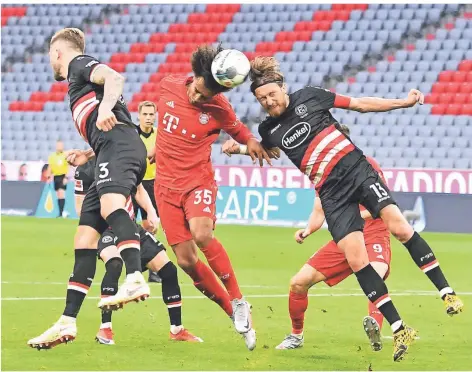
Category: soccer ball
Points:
column 230, row 68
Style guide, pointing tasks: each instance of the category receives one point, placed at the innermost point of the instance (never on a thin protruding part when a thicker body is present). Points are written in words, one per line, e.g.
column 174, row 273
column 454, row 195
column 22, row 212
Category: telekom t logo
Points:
column 170, row 122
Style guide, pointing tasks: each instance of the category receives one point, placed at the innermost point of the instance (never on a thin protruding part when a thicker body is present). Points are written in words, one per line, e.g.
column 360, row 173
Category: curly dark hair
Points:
column 201, row 60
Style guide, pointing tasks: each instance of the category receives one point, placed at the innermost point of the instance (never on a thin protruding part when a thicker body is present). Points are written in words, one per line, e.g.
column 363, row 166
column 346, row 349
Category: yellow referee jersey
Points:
column 58, row 164
column 149, row 140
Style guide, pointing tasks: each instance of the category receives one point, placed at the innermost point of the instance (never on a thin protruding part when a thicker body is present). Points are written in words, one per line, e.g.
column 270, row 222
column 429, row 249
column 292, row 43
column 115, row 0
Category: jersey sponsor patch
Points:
column 296, row 135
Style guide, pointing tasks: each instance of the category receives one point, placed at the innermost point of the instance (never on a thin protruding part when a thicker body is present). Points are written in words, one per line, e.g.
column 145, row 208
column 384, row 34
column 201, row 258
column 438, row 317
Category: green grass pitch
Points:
column 37, row 258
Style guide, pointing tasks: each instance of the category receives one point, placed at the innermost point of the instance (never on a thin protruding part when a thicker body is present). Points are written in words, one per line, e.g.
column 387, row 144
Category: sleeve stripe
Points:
column 341, row 101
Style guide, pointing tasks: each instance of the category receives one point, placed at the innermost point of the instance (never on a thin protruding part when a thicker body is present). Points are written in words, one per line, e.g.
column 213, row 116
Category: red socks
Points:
column 297, row 305
column 376, row 314
column 219, row 262
column 205, row 281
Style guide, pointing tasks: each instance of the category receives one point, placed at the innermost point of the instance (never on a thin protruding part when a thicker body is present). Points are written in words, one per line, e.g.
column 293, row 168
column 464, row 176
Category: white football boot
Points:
column 63, row 331
column 291, row 342
column 250, row 339
column 134, row 288
column 241, row 315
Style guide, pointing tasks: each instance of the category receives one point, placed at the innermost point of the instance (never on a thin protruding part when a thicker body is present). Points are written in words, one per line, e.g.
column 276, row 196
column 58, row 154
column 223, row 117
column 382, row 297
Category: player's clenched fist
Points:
column 300, row 236
column 106, row 119
column 151, row 224
column 414, row 97
column 76, row 157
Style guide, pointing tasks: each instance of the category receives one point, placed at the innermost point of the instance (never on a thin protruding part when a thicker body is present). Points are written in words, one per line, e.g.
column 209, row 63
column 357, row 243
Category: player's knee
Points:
column 187, row 262
column 402, row 231
column 86, row 237
column 203, row 237
column 397, row 223
column 298, row 285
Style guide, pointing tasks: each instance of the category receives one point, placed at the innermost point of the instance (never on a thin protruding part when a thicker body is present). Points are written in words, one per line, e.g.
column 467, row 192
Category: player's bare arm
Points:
column 316, row 220
column 233, row 147
column 143, row 199
column 113, row 83
column 375, row 104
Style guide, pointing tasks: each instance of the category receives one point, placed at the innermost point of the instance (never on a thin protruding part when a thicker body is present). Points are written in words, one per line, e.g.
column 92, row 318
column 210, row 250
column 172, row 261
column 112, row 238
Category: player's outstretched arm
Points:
column 315, row 222
column 143, row 199
column 113, row 83
column 375, row 104
column 231, row 147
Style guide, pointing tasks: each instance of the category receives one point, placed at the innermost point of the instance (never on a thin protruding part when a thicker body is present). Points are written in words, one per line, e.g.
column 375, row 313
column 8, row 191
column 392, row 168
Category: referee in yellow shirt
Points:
column 59, row 167
column 147, row 118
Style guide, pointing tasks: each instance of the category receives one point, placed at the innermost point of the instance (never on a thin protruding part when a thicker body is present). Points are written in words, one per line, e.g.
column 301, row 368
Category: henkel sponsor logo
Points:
column 296, row 135
column 398, row 180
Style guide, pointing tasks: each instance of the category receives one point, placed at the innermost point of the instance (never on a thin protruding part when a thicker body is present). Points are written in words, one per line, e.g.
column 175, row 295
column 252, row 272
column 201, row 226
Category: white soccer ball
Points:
column 230, row 68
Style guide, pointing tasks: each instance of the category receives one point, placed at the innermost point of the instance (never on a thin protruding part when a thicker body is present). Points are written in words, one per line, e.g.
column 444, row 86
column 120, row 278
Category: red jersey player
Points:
column 191, row 115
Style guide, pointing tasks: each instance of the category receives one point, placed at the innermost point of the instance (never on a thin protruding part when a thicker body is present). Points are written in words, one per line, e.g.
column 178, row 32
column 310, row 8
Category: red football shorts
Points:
column 331, row 262
column 177, row 207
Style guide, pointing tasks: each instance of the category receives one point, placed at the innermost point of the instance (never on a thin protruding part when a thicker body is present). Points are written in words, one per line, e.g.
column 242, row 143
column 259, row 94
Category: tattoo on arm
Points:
column 113, row 84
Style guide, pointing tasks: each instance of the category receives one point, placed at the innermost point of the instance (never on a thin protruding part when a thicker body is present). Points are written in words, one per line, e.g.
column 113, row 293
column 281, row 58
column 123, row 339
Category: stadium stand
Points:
column 354, row 49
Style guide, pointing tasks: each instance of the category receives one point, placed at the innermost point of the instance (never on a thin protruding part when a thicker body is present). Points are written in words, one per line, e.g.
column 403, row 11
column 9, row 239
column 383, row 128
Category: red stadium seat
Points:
column 302, row 36
column 438, row 109
column 465, row 88
column 469, row 77
column 159, row 37
column 342, row 15
column 133, row 106
column 446, row 76
column 324, row 26
column 118, row 67
column 466, row 110
column 59, row 87
column 453, row 109
column 55, row 97
column 438, row 88
column 446, row 98
column 14, row 106
column 465, row 65
column 452, row 87
column 147, row 87
column 462, row 99
column 459, row 76
column 431, row 99
column 287, row 46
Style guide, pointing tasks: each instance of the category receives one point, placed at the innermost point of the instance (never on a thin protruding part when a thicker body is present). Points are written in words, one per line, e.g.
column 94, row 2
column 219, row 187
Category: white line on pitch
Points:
column 248, row 296
column 181, row 284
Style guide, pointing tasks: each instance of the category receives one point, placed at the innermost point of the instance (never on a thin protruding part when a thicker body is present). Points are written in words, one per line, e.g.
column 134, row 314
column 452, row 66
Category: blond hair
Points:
column 265, row 70
column 147, row 104
column 73, row 36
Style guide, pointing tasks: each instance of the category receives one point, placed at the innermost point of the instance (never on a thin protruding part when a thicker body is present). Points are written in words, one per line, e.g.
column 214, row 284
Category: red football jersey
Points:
column 185, row 133
column 375, row 228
